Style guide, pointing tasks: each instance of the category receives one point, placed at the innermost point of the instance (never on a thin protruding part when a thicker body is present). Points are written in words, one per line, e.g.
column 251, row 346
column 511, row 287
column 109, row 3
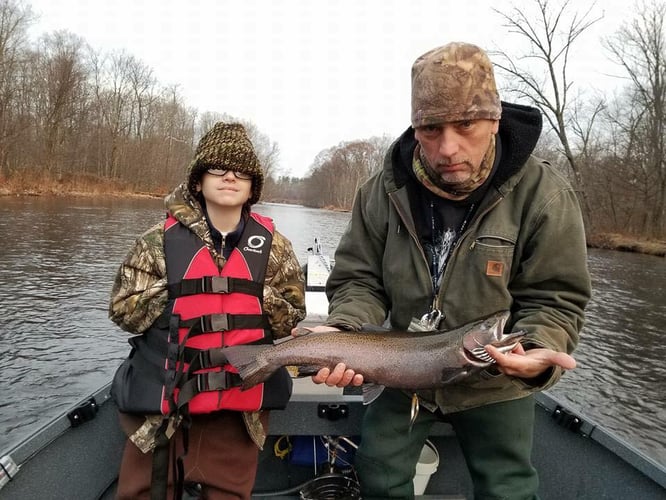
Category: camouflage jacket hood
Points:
column 524, row 251
column 139, row 294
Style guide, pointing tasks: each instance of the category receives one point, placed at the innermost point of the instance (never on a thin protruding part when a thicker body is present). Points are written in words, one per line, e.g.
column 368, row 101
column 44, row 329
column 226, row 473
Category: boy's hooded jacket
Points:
column 523, row 251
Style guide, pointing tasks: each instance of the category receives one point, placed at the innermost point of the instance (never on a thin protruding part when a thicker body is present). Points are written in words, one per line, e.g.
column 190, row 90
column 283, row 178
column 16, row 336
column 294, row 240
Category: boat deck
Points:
column 82, row 462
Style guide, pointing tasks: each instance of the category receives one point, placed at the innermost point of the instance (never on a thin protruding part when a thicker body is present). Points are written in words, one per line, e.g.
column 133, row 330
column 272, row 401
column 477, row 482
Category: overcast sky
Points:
column 309, row 73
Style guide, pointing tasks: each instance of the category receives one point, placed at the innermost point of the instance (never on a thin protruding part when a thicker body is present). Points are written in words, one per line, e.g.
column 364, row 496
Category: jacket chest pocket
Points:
column 493, row 244
column 491, row 255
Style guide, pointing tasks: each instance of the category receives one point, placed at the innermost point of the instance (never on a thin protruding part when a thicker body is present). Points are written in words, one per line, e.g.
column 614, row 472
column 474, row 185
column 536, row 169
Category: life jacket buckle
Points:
column 217, row 381
column 202, row 382
column 219, row 322
column 214, row 323
column 204, row 359
column 215, row 284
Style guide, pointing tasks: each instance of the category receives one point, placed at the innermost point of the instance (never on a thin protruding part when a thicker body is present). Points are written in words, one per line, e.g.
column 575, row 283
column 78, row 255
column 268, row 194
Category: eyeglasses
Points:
column 222, row 172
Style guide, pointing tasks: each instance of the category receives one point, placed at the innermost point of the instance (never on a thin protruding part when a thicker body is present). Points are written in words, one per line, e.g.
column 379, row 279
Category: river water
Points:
column 58, row 257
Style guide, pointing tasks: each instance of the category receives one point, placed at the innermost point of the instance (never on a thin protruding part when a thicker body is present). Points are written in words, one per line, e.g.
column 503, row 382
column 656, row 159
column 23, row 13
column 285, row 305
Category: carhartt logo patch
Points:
column 494, row 268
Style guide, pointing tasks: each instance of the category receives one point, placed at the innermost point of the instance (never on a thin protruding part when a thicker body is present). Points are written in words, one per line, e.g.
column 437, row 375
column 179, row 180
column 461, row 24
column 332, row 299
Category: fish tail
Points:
column 247, row 360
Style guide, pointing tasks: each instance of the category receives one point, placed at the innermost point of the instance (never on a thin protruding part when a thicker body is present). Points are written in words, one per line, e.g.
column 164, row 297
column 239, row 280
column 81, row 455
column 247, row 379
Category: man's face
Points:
column 455, row 150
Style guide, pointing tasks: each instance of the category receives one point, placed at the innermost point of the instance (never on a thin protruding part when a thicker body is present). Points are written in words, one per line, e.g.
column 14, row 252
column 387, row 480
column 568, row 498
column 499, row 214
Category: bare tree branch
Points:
column 550, row 39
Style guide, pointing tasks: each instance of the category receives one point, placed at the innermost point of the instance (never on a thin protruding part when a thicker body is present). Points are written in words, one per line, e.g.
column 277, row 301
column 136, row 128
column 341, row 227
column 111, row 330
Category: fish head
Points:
column 489, row 331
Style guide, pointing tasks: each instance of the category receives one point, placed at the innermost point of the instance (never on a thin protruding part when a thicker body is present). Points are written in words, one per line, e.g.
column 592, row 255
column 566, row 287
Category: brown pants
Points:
column 221, row 457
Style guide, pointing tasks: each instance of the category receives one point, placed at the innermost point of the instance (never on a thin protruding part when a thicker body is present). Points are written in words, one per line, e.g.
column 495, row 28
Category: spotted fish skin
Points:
column 392, row 358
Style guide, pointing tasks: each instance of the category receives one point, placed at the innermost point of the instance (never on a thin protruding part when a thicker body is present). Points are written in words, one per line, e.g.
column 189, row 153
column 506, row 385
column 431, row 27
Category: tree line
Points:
column 70, row 112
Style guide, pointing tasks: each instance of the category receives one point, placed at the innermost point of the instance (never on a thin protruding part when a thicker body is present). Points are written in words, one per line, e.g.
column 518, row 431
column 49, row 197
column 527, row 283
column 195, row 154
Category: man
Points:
column 213, row 274
column 462, row 222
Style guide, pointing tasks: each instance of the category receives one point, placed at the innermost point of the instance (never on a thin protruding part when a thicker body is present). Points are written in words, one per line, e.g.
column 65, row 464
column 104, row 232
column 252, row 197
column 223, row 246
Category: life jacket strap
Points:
column 200, row 325
column 205, row 359
column 202, row 359
column 225, row 322
column 204, row 382
column 215, row 284
column 160, row 464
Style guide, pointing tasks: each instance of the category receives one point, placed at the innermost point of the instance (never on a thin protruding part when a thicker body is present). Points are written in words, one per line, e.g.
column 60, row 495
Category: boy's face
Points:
column 225, row 190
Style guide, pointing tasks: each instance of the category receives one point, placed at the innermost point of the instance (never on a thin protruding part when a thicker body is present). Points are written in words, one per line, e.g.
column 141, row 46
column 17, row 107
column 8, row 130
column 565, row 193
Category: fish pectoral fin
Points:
column 307, row 370
column 452, row 375
column 371, row 392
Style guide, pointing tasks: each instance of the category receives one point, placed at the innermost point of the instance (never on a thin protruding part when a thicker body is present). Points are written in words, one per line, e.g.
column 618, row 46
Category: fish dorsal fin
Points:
column 371, row 392
column 301, row 331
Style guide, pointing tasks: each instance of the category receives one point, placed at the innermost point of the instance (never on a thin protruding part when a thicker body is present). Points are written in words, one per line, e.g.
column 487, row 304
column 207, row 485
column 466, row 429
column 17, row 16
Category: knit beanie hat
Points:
column 226, row 146
column 453, row 83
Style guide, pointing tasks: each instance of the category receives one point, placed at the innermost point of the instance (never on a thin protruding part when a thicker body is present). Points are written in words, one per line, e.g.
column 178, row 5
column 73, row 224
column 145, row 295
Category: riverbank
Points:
column 622, row 243
column 89, row 187
column 83, row 185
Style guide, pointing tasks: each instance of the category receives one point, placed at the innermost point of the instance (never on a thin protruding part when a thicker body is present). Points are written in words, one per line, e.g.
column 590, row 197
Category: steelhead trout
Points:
column 398, row 359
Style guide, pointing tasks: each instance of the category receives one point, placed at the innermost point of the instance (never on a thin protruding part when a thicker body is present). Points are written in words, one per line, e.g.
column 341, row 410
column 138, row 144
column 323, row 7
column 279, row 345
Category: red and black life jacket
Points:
column 179, row 360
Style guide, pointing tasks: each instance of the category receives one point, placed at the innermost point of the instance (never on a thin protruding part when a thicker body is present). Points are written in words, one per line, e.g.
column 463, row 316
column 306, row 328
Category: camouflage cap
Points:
column 452, row 83
column 226, row 146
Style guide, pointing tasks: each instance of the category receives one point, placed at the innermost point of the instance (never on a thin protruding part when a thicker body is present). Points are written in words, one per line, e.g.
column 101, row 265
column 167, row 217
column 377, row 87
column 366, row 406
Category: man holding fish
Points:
column 462, row 222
